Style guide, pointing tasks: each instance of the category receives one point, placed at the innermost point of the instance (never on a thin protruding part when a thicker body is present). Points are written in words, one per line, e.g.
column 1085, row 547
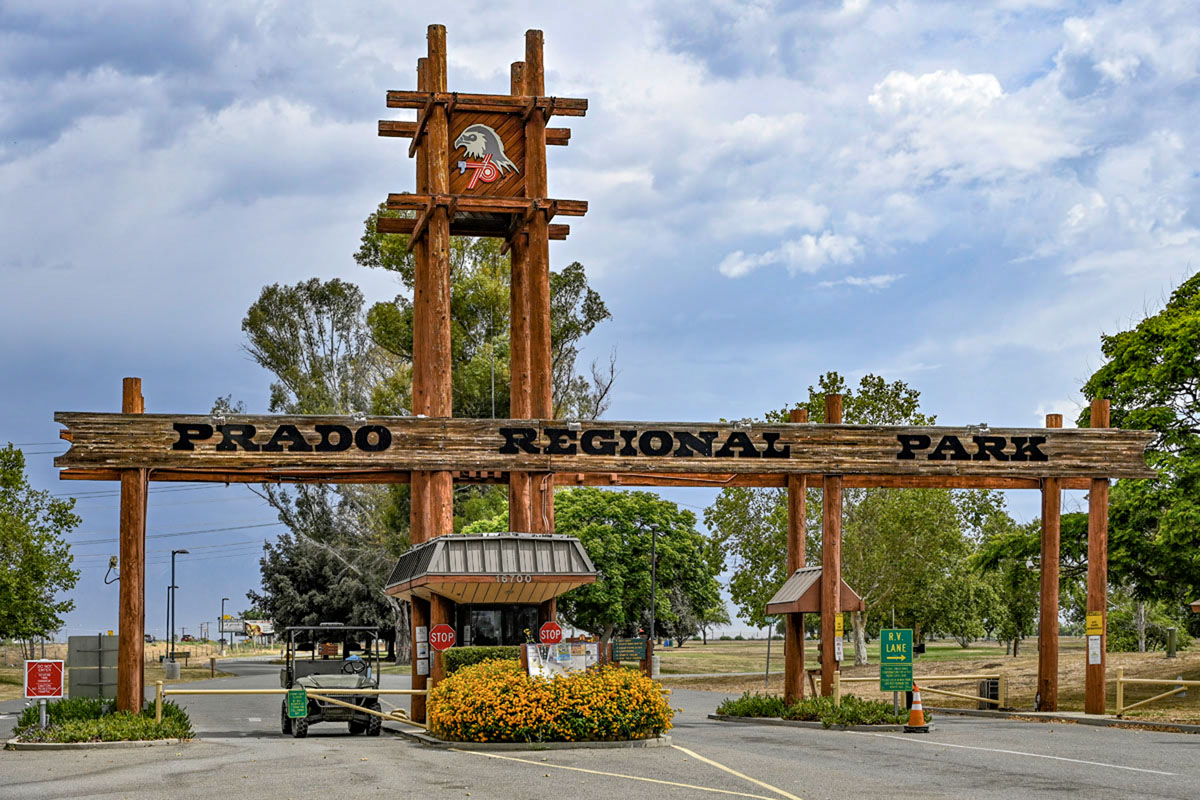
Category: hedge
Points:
column 853, row 710
column 495, row 701
column 456, row 658
column 93, row 720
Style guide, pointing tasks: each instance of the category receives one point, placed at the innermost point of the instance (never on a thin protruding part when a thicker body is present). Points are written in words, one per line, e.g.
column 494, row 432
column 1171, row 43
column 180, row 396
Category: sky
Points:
column 962, row 196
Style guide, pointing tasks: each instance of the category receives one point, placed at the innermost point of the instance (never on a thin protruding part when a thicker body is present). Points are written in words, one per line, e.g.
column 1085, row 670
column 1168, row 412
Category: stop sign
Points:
column 441, row 637
column 550, row 633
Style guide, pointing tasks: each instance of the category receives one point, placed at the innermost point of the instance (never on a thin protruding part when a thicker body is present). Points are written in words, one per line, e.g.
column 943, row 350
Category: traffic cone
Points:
column 916, row 716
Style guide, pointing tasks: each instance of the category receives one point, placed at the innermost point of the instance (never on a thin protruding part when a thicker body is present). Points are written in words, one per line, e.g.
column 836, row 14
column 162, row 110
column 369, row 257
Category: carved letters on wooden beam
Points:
column 161, row 441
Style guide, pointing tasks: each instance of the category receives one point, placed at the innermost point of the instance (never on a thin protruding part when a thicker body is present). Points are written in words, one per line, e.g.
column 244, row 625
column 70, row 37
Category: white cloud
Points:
column 869, row 282
column 806, row 254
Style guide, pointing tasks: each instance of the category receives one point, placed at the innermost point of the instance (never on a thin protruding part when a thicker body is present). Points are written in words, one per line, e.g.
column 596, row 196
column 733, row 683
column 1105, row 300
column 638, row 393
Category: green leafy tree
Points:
column 1152, row 378
column 892, row 539
column 615, row 528
column 35, row 560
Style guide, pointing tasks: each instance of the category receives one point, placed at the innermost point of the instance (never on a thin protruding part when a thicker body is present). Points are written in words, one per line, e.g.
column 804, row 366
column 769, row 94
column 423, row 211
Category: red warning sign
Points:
column 43, row 678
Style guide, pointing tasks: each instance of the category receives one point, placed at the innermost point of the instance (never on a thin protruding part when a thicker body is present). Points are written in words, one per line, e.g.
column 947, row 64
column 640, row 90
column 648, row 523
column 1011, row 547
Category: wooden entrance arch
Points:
column 497, row 187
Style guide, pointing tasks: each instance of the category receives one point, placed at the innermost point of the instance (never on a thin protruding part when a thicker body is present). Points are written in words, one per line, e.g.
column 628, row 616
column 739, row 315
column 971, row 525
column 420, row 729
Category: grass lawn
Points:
column 947, row 658
column 12, row 679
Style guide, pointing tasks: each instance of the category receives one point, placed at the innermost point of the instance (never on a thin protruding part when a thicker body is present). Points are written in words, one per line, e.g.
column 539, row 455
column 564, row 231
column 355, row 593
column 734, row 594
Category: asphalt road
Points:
column 241, row 751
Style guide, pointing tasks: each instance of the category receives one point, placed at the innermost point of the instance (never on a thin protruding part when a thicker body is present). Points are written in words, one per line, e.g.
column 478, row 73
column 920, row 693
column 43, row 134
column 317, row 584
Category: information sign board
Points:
column 1095, row 623
column 896, row 660
column 43, row 678
column 1094, row 650
column 297, row 703
column 629, row 649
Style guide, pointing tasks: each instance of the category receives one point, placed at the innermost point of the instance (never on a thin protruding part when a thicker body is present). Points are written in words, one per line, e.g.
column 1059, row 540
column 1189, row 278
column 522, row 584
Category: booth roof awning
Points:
column 801, row 593
column 492, row 568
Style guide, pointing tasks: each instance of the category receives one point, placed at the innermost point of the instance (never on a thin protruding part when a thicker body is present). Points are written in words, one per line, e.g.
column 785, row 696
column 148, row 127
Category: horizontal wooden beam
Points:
column 403, row 129
column 499, row 226
column 569, row 479
column 279, row 443
column 496, row 103
column 486, row 205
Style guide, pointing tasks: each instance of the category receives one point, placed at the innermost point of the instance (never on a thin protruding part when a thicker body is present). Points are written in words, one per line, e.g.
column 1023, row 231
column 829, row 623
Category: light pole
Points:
column 221, row 625
column 173, row 586
column 653, row 578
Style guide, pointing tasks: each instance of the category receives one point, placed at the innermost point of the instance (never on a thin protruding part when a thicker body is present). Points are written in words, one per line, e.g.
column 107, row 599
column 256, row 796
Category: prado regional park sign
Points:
column 157, row 441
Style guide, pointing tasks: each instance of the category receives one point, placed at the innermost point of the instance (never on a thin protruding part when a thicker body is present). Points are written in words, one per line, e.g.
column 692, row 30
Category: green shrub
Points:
column 852, row 711
column 90, row 720
column 753, row 704
column 456, row 658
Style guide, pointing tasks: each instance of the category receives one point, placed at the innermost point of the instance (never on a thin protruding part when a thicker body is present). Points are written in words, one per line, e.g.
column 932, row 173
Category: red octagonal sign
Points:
column 441, row 637
column 550, row 633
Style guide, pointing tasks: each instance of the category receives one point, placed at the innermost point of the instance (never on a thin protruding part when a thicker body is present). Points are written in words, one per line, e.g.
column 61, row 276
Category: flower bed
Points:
column 853, row 710
column 495, row 701
column 92, row 720
column 456, row 658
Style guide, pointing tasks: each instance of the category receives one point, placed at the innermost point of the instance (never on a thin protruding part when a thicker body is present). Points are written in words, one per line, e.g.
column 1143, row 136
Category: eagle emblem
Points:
column 483, row 144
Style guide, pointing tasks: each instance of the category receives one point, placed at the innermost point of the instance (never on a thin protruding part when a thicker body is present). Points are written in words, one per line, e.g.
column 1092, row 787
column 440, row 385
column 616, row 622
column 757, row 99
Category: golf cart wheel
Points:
column 374, row 724
column 300, row 728
column 285, row 722
column 356, row 727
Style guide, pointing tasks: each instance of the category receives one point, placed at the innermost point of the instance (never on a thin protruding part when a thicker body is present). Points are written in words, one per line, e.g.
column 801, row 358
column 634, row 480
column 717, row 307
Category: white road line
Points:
column 254, row 719
column 1011, row 752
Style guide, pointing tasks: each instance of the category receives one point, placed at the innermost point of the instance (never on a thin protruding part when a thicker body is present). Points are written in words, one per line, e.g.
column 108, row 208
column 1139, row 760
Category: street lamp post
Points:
column 221, row 626
column 173, row 586
column 653, row 579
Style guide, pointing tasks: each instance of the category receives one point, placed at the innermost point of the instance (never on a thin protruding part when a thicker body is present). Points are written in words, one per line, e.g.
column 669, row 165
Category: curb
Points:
column 433, row 741
column 811, row 725
column 13, row 744
column 1099, row 722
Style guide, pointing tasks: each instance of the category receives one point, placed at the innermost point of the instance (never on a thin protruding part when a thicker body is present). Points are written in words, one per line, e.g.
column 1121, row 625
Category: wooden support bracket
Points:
column 404, row 129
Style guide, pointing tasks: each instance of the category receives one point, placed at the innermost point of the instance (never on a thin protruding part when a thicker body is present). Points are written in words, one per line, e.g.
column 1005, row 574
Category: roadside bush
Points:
column 753, row 704
column 92, row 720
column 495, row 701
column 852, row 711
column 456, row 658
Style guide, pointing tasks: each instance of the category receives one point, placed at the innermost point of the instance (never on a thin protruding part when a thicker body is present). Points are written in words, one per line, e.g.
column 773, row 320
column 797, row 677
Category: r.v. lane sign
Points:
column 418, row 443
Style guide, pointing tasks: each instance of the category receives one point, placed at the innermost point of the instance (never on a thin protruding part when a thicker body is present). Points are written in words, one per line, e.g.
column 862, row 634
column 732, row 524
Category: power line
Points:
column 179, row 533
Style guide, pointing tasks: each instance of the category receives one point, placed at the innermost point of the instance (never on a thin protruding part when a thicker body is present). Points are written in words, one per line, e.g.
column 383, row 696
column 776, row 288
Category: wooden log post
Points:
column 538, row 261
column 437, row 350
column 1097, row 578
column 793, row 637
column 1047, row 685
column 547, row 612
column 131, row 642
column 520, row 503
column 831, row 557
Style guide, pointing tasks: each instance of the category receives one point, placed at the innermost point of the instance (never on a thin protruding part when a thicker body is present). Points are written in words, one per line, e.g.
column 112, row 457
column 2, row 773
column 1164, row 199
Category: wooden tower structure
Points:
column 480, row 171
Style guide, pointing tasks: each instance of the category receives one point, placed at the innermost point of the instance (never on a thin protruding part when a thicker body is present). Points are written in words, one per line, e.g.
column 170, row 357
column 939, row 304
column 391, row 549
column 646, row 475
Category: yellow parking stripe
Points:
column 755, row 781
column 629, row 777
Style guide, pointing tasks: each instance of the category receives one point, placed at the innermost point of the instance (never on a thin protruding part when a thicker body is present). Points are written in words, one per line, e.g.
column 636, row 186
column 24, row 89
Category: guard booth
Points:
column 498, row 584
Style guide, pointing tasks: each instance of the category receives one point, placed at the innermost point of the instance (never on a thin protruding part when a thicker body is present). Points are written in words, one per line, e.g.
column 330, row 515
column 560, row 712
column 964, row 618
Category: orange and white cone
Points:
column 916, row 715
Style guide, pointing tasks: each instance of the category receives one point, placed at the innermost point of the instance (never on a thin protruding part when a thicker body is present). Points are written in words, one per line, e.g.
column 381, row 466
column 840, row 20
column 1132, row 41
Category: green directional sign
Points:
column 895, row 660
column 297, row 703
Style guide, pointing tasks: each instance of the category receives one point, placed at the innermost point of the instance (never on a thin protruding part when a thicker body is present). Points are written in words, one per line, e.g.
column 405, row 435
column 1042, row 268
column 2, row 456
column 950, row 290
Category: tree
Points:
column 1152, row 378
column 329, row 355
column 35, row 560
column 1005, row 557
column 892, row 539
column 479, row 312
column 615, row 528
column 714, row 616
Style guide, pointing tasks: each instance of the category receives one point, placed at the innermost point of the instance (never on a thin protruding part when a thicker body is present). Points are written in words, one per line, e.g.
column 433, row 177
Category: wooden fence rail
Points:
column 924, row 680
column 1178, row 684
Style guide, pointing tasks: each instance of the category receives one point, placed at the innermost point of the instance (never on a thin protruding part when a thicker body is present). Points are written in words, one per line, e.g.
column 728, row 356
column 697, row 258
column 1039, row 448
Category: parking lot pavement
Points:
column 964, row 757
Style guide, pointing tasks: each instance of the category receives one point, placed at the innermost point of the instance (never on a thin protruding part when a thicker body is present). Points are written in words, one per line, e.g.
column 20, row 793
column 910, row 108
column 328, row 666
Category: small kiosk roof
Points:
column 802, row 594
column 492, row 568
